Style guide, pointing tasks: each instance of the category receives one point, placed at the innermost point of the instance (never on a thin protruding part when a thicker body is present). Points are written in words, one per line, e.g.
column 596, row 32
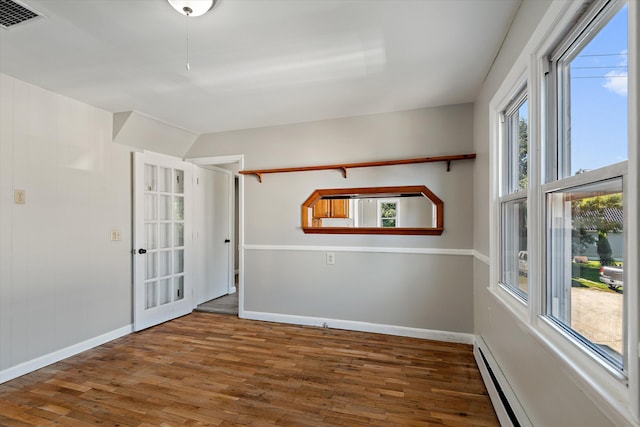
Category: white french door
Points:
column 162, row 286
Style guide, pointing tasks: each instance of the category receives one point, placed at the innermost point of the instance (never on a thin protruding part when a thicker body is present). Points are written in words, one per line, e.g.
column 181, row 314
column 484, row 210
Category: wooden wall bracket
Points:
column 343, row 167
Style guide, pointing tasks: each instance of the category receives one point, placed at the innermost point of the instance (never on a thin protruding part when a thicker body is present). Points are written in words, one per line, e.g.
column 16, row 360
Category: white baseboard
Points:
column 42, row 361
column 351, row 325
column 494, row 394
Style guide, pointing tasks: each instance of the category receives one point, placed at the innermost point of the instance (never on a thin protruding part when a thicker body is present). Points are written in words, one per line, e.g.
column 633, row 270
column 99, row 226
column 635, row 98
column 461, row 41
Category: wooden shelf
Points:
column 343, row 167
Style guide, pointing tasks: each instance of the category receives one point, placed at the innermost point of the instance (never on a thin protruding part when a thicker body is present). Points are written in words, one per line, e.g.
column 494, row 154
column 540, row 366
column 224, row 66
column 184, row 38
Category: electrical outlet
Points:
column 115, row 235
column 19, row 197
column 331, row 258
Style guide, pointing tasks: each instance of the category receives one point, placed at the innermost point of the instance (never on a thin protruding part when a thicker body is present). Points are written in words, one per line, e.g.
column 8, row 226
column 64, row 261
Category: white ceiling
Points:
column 259, row 62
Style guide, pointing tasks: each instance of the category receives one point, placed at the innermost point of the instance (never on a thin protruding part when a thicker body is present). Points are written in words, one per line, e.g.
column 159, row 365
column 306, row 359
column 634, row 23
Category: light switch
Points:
column 115, row 235
column 19, row 197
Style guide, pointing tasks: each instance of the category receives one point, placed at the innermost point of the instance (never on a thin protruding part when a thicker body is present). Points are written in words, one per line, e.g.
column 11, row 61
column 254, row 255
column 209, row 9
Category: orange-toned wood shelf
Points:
column 345, row 166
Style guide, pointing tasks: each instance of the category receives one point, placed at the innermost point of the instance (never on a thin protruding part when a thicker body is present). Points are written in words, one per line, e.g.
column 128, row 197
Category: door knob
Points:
column 142, row 251
column 227, row 240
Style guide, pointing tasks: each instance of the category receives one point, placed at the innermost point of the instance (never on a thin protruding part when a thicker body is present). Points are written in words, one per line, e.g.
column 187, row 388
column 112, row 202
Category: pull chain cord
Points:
column 187, row 12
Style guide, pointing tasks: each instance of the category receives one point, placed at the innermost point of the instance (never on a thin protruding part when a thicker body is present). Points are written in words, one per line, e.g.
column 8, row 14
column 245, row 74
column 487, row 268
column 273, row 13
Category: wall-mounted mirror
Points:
column 373, row 210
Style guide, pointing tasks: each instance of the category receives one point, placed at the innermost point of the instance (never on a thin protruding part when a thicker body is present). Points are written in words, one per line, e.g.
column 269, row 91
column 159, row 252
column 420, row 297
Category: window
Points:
column 514, row 264
column 585, row 183
column 586, row 234
column 388, row 213
column 564, row 211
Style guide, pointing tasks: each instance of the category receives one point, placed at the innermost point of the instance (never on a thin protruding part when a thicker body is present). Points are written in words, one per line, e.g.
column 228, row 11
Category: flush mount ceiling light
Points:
column 192, row 8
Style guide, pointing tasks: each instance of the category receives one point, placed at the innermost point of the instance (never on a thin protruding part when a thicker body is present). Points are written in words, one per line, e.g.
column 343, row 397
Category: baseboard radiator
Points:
column 508, row 409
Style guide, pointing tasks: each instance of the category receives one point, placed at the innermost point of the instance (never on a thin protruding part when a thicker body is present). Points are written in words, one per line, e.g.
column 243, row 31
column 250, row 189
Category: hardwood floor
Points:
column 218, row 370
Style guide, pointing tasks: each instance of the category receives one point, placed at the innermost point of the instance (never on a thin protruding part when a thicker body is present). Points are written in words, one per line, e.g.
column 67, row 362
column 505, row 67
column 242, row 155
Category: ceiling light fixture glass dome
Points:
column 192, row 7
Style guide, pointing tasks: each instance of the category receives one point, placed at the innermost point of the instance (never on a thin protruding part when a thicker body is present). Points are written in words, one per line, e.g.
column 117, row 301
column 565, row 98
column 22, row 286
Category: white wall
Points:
column 62, row 280
column 382, row 288
column 549, row 394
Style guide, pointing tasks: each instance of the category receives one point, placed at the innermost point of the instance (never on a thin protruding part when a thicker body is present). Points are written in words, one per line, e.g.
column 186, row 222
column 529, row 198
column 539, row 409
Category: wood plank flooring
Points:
column 217, row 370
column 227, row 304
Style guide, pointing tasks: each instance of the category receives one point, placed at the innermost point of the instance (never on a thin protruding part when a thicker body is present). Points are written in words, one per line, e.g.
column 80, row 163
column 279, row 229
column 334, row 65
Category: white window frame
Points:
column 616, row 396
column 379, row 211
column 508, row 176
column 558, row 173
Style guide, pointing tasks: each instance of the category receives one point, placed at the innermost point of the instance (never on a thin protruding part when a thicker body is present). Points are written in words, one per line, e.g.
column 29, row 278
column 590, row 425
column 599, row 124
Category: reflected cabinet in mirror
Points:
column 374, row 210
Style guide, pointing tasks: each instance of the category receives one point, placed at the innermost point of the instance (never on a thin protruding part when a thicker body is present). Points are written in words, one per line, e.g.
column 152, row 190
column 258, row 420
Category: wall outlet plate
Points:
column 331, row 258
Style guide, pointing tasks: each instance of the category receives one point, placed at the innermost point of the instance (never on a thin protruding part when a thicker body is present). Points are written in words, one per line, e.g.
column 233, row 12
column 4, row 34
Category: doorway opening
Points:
column 217, row 234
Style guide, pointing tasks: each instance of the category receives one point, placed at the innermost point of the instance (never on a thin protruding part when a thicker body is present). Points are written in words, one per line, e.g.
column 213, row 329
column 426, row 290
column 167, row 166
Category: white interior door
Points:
column 162, row 287
column 223, row 231
column 213, row 233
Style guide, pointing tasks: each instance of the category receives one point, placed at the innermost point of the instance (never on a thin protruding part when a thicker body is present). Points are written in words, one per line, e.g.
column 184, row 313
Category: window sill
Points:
column 512, row 301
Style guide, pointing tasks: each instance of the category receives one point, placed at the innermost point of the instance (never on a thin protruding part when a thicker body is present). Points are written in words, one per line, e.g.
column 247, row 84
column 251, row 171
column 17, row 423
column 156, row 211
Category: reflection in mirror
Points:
column 374, row 210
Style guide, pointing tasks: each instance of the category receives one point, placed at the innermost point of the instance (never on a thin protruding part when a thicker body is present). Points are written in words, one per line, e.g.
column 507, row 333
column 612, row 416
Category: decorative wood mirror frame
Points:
column 358, row 193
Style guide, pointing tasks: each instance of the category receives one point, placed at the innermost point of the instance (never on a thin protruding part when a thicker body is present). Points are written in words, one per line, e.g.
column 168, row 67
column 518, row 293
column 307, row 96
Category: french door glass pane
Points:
column 165, row 208
column 164, row 263
column 150, row 295
column 165, row 234
column 179, row 183
column 586, row 256
column 179, row 234
column 150, row 178
column 165, row 291
column 514, row 258
column 178, row 264
column 179, row 287
column 150, row 236
column 178, row 206
column 164, row 180
column 150, row 207
column 152, row 268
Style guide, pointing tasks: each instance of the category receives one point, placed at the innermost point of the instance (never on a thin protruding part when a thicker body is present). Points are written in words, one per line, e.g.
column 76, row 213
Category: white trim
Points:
column 586, row 178
column 241, row 238
column 218, row 160
column 164, row 122
column 511, row 397
column 215, row 160
column 366, row 249
column 482, row 257
column 352, row 325
column 633, row 205
column 42, row 361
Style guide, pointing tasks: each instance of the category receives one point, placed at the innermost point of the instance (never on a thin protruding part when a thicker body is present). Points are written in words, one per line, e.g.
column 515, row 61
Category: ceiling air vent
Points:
column 13, row 13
